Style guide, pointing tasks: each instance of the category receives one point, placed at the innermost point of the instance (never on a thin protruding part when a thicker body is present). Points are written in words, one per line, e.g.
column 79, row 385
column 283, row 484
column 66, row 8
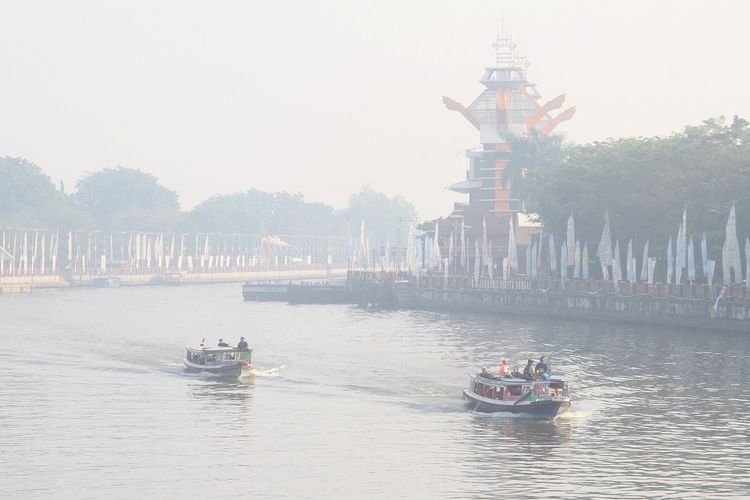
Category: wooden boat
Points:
column 542, row 398
column 224, row 362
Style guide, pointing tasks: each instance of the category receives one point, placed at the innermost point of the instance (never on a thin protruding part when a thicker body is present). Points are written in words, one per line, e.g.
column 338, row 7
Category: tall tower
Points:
column 508, row 105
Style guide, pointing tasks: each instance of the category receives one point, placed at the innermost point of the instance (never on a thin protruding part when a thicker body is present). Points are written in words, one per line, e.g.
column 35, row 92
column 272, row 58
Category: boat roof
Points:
column 510, row 380
column 213, row 348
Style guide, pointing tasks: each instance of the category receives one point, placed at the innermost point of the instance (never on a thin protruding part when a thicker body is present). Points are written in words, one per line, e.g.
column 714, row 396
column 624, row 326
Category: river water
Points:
column 351, row 403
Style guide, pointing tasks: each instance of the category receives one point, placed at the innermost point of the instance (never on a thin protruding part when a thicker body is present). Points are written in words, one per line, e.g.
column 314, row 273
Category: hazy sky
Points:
column 321, row 97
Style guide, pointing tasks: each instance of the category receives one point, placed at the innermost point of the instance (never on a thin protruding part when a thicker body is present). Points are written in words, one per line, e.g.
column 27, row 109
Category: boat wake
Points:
column 576, row 414
column 270, row 372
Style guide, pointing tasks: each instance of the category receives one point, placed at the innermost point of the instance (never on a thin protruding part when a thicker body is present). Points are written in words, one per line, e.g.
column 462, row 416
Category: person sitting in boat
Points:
column 504, row 368
column 542, row 369
column 516, row 372
column 528, row 371
column 222, row 343
column 242, row 345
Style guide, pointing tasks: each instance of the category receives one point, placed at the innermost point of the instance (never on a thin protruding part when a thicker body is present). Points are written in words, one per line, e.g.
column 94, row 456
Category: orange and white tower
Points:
column 508, row 105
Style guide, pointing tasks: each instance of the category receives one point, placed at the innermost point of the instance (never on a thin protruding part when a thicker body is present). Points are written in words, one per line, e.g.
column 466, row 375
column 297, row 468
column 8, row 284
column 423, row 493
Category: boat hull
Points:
column 545, row 408
column 230, row 371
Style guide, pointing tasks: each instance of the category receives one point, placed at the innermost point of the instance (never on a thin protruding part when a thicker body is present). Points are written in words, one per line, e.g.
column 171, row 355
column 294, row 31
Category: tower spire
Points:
column 503, row 46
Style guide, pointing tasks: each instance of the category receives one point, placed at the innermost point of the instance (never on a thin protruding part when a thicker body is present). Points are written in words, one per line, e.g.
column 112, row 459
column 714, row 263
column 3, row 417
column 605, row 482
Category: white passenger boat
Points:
column 542, row 398
column 224, row 362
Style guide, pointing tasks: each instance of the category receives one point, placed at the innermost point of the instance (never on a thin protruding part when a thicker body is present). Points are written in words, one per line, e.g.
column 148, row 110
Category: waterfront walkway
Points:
column 691, row 306
column 27, row 283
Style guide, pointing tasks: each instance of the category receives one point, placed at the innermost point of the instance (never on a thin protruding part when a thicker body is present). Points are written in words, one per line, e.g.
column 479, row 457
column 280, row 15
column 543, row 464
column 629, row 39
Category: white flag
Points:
column 538, row 255
column 704, row 256
column 411, row 247
column 570, row 240
column 477, row 260
column 617, row 265
column 730, row 254
column 691, row 261
column 419, row 253
column 644, row 266
column 528, row 261
column 630, row 268
column 604, row 252
column 651, row 268
column 464, row 247
column 512, row 250
column 387, row 256
column 552, row 255
column 362, row 245
column 585, row 261
column 681, row 250
column 490, row 262
column 670, row 264
column 710, row 268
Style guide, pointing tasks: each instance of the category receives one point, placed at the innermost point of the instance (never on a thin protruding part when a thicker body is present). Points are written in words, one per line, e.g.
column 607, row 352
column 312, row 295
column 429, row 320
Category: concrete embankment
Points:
column 664, row 311
column 25, row 284
column 683, row 306
column 14, row 285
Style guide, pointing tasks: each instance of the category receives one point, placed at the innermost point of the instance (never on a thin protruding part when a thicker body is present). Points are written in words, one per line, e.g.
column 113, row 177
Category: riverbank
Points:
column 683, row 306
column 10, row 285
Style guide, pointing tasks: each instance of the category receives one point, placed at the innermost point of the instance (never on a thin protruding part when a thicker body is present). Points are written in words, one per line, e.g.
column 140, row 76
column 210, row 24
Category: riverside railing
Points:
column 75, row 254
column 734, row 292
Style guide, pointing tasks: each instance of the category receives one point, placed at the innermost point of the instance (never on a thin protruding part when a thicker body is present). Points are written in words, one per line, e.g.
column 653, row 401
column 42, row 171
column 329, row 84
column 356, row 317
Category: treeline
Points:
column 645, row 183
column 124, row 199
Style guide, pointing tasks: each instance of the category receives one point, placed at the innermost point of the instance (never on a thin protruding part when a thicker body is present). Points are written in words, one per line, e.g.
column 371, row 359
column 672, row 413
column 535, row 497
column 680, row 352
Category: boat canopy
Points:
column 516, row 381
column 214, row 349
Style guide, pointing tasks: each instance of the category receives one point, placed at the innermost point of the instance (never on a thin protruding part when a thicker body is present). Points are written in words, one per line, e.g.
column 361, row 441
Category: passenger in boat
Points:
column 504, row 368
column 528, row 371
column 543, row 370
column 222, row 343
column 242, row 345
column 516, row 372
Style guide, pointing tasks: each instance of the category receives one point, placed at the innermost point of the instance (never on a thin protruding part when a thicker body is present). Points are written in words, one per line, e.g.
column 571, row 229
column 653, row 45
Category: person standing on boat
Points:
column 504, row 368
column 222, row 343
column 543, row 369
column 528, row 370
column 242, row 346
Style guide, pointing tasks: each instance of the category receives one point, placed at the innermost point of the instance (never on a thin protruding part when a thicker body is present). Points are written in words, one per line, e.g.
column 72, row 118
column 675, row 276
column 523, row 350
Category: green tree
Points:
column 124, row 199
column 28, row 199
column 528, row 155
column 382, row 214
column 646, row 182
column 259, row 212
